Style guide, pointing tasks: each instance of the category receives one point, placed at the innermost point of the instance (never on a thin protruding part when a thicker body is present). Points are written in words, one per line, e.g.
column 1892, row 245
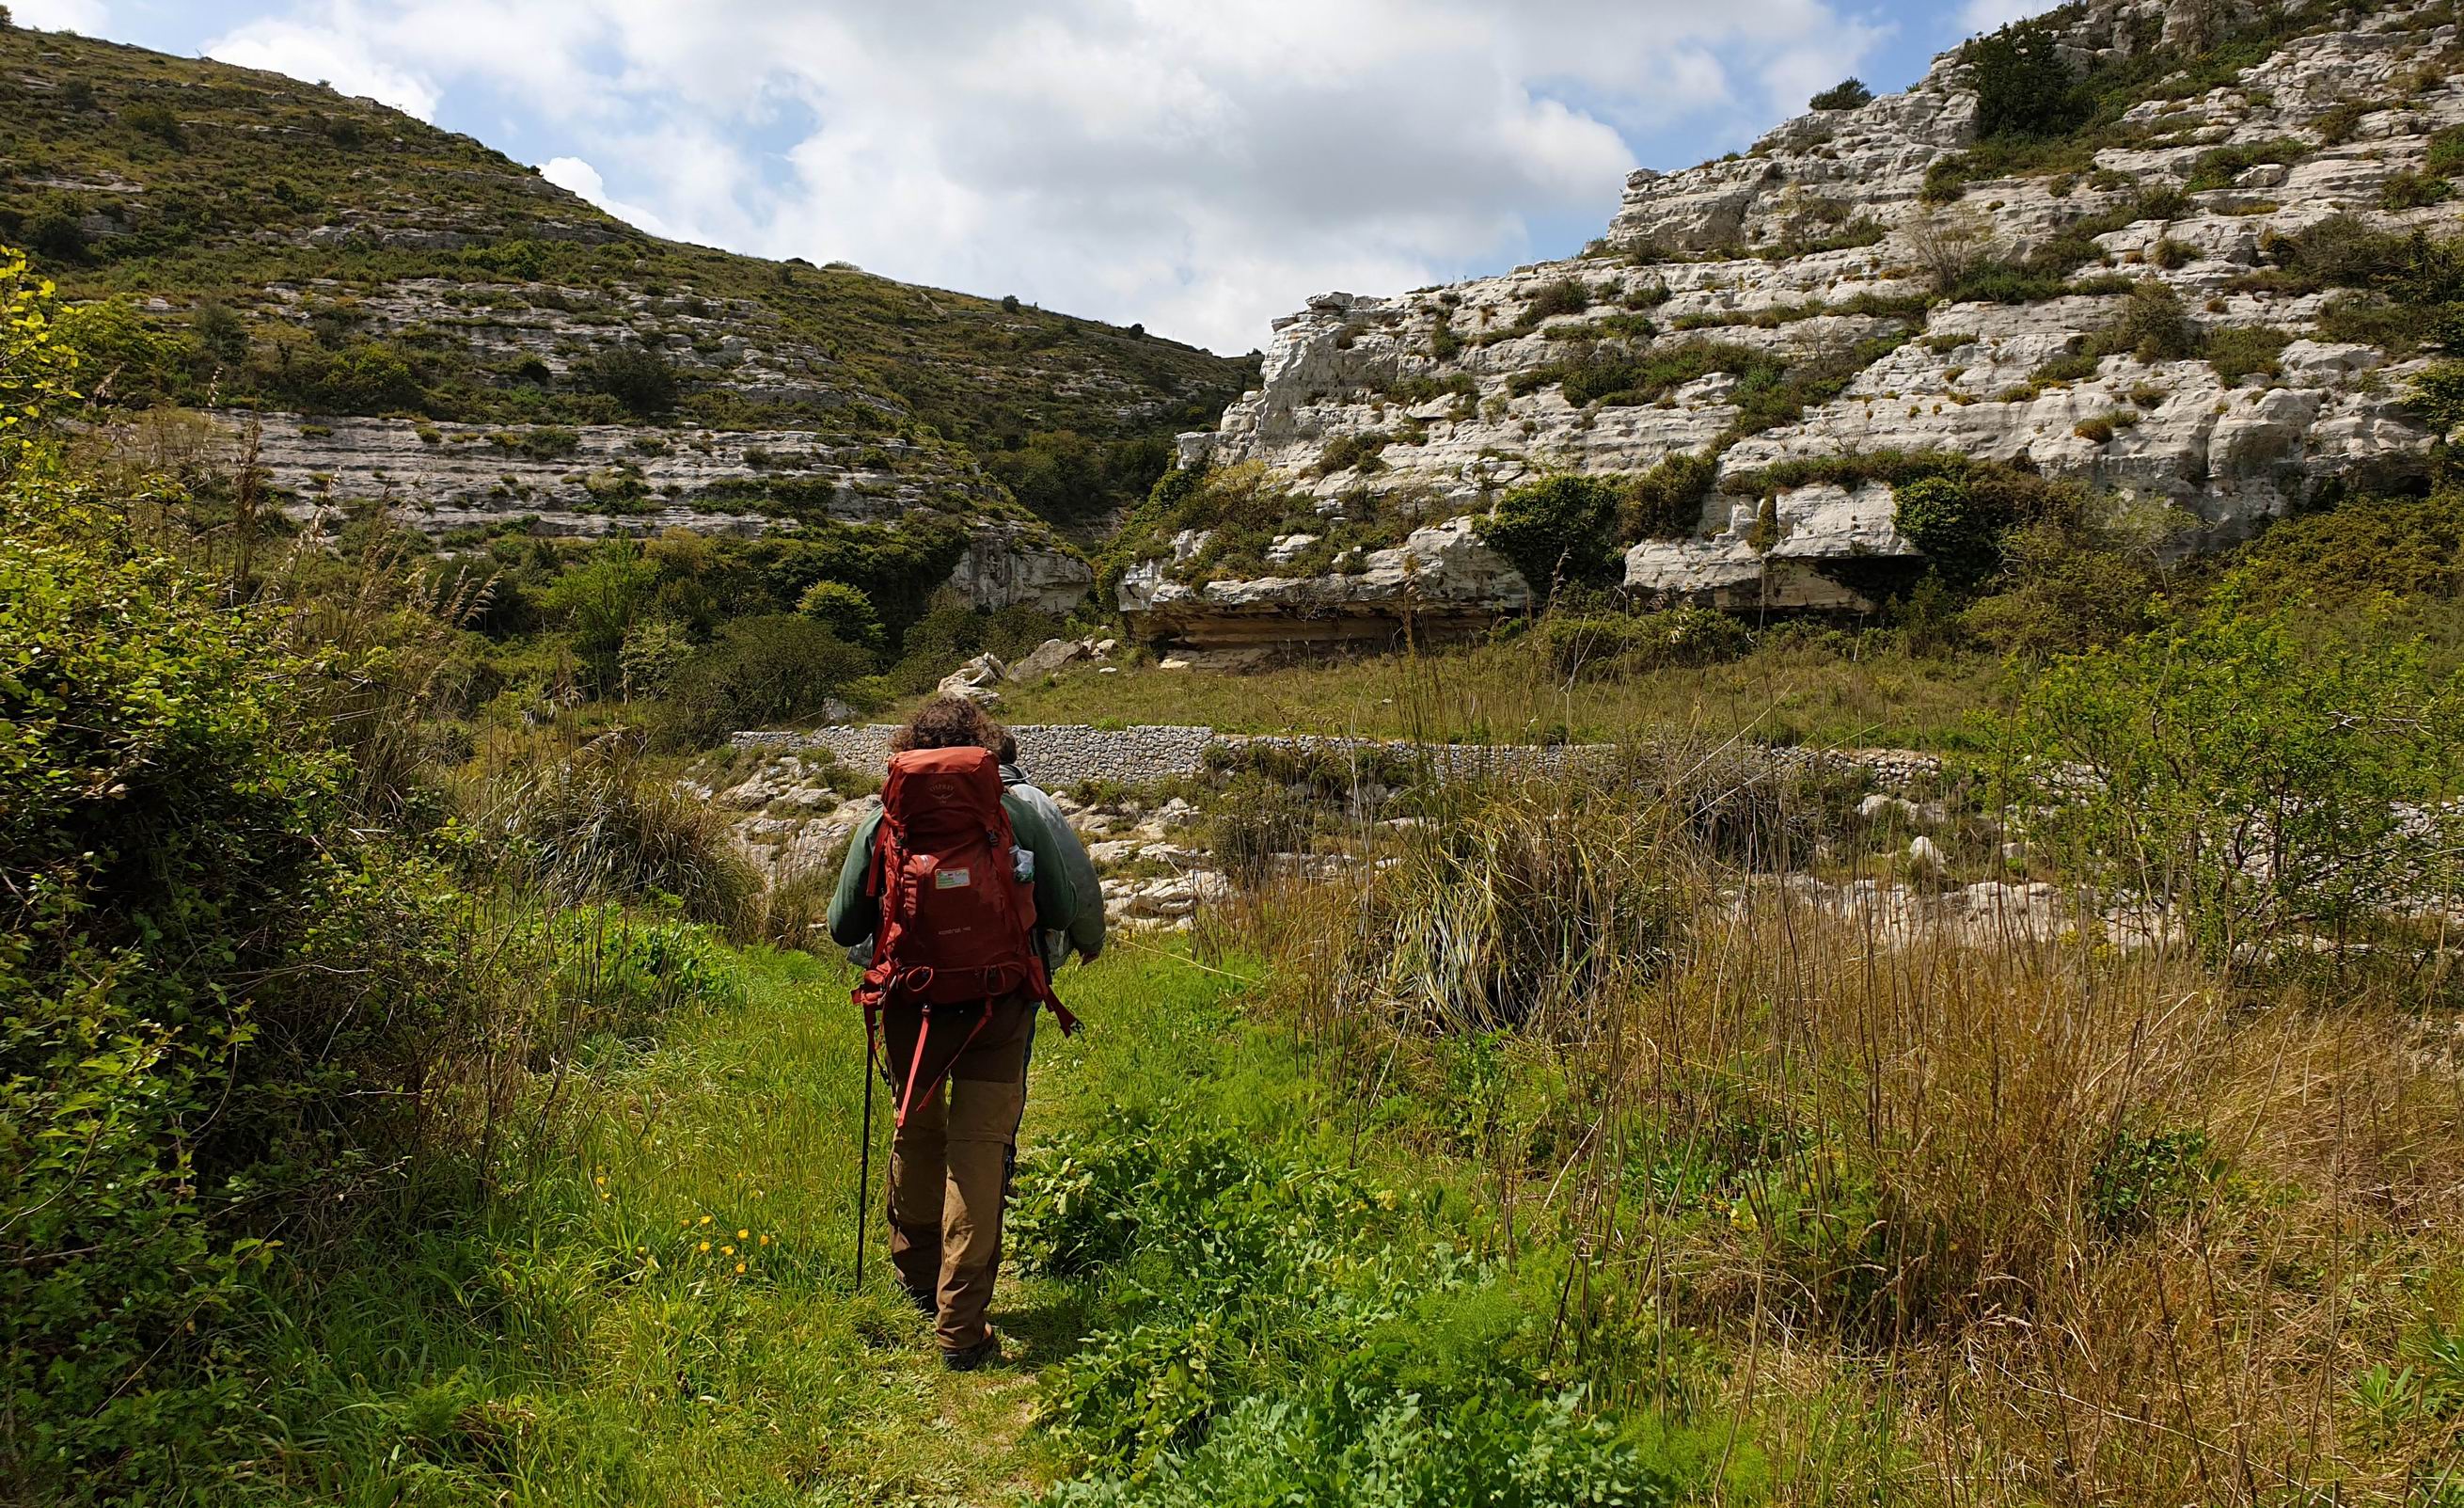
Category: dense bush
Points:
column 635, row 375
column 1065, row 475
column 1666, row 502
column 1558, row 531
column 1957, row 532
column 845, row 610
column 1845, row 95
column 2254, row 783
column 2410, row 546
column 762, row 670
column 2024, row 87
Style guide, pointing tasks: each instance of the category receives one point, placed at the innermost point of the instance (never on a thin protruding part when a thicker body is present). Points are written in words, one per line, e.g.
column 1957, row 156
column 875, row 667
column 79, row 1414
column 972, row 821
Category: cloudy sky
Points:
column 1200, row 166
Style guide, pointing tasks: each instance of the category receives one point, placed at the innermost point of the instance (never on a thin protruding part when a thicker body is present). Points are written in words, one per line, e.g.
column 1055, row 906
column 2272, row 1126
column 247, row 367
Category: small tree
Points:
column 845, row 610
column 1959, row 533
column 633, row 374
column 1557, row 531
column 2255, row 788
column 1845, row 95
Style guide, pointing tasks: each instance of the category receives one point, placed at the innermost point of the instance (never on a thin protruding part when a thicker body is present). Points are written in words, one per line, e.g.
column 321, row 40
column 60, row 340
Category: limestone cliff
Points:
column 1904, row 277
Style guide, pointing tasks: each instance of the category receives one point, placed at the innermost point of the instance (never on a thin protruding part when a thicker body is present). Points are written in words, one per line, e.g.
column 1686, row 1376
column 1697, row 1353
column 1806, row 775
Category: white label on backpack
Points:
column 951, row 880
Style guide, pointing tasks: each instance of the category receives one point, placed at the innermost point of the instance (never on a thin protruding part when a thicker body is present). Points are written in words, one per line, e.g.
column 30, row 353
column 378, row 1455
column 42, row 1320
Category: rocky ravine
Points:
column 1451, row 388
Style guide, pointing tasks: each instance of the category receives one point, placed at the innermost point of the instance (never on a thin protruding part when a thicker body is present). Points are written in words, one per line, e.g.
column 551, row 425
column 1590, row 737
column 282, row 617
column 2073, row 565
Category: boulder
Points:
column 1046, row 658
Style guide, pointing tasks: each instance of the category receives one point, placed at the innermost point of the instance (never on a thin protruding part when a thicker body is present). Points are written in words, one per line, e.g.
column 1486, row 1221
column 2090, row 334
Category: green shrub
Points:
column 2219, row 167
column 2172, row 255
column 2408, row 189
column 2437, row 395
column 2072, row 578
column 761, row 670
column 845, row 611
column 1666, row 502
column 2251, row 783
column 1846, row 95
column 635, row 375
column 1955, row 531
column 1557, row 531
column 1565, row 296
column 2410, row 546
column 2446, row 156
column 2024, row 88
column 1357, row 451
column 2240, row 353
column 2154, row 326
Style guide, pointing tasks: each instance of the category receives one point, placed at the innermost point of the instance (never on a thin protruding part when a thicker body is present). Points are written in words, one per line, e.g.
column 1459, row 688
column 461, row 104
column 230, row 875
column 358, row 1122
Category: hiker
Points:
column 948, row 887
column 1082, row 934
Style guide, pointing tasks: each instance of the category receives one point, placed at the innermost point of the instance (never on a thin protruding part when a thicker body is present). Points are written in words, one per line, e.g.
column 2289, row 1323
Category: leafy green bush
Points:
column 2408, row 189
column 1357, row 452
column 1845, row 95
column 635, row 375
column 2154, row 326
column 1564, row 295
column 2241, row 353
column 766, row 669
column 1666, row 502
column 156, row 826
column 1955, row 531
column 1557, row 531
column 2248, row 782
column 2411, row 546
column 2024, row 87
column 845, row 610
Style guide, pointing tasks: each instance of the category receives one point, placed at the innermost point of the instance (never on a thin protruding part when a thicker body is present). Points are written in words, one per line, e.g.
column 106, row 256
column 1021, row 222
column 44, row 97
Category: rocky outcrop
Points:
column 594, row 480
column 1441, row 582
column 1817, row 259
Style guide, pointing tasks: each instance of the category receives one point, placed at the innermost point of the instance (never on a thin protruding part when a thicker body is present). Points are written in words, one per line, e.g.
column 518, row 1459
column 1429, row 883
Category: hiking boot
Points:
column 983, row 1353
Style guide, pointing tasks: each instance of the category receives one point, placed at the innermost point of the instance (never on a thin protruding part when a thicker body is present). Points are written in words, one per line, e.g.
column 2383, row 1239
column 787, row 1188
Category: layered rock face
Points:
column 1442, row 580
column 1820, row 259
column 601, row 480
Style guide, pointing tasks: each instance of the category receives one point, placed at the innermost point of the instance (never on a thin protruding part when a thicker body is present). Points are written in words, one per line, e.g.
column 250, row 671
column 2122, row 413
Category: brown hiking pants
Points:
column 949, row 1164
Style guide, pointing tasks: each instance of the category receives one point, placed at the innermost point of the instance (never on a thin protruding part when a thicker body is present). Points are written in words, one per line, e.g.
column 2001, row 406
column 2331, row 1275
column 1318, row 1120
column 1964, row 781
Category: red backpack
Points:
column 957, row 923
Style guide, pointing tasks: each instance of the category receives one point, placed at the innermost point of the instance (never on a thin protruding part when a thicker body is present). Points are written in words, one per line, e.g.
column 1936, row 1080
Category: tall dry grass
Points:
column 1954, row 1217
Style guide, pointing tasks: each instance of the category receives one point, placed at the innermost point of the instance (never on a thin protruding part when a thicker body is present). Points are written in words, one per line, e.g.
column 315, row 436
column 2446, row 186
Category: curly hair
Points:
column 949, row 723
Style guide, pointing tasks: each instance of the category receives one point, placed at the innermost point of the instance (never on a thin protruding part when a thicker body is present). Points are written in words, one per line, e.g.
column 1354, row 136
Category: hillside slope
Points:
column 2189, row 256
column 425, row 320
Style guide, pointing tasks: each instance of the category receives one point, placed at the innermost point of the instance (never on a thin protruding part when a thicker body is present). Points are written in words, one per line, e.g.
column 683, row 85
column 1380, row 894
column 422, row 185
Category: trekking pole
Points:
column 863, row 1169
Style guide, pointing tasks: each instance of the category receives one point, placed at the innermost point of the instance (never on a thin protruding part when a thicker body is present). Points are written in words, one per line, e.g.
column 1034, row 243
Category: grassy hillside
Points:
column 281, row 244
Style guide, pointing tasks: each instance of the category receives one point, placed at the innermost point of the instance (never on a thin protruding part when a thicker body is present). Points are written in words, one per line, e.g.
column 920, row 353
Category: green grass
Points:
column 1798, row 686
column 575, row 1344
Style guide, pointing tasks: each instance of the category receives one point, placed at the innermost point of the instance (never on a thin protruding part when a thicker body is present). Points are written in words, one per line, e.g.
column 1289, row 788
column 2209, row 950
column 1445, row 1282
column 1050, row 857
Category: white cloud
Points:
column 1988, row 15
column 1199, row 168
column 575, row 176
column 322, row 54
column 85, row 17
